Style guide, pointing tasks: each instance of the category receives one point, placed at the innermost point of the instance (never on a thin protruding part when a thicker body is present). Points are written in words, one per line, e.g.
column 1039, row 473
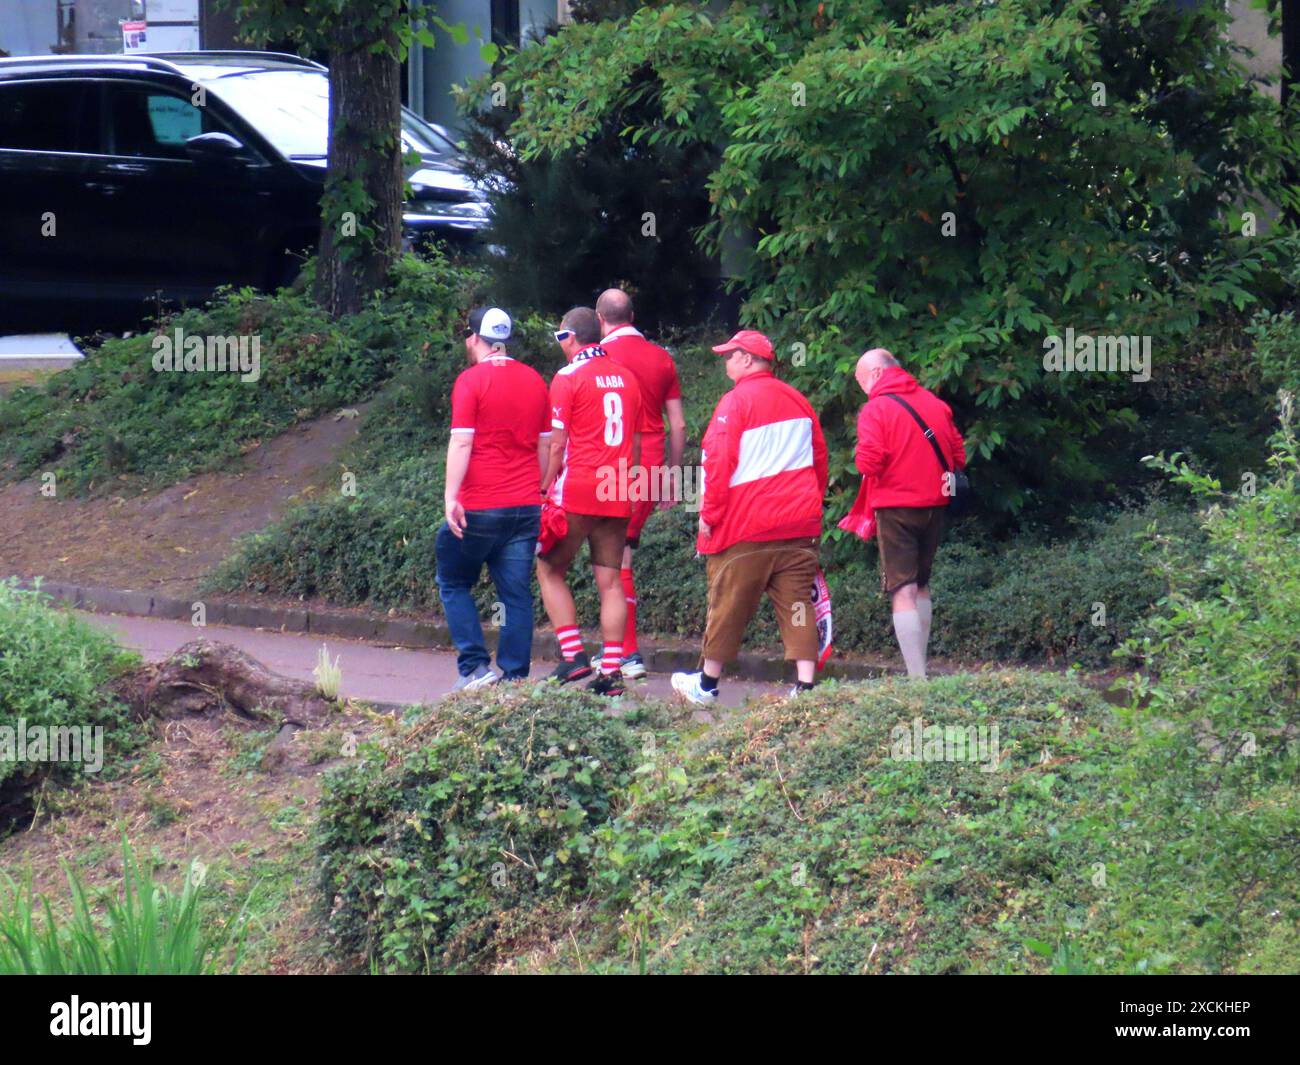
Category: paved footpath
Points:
column 377, row 674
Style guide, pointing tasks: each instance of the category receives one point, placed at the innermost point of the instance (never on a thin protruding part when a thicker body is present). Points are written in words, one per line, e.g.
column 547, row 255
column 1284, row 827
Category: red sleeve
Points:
column 870, row 456
column 721, row 446
column 820, row 462
column 674, row 383
column 464, row 404
column 635, row 398
column 543, row 408
column 958, row 444
column 561, row 401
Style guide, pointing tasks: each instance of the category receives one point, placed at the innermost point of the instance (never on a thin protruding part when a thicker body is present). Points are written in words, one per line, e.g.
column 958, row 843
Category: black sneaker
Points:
column 610, row 684
column 569, row 671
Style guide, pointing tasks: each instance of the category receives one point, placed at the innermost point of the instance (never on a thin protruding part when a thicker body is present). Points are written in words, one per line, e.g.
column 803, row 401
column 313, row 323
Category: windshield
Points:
column 290, row 108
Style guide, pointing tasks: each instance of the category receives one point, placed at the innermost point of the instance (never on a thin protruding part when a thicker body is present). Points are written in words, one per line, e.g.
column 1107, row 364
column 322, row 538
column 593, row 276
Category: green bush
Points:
column 113, row 416
column 1277, row 349
column 1219, row 706
column 789, row 840
column 794, row 837
column 54, row 673
column 150, row 931
column 434, row 847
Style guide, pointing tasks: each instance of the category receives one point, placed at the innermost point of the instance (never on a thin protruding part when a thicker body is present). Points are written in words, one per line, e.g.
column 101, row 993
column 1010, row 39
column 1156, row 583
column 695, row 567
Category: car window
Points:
column 49, row 116
column 291, row 108
column 154, row 123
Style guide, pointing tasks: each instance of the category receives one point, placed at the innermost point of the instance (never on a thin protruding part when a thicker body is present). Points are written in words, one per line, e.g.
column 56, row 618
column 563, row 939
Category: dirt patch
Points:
column 203, row 789
column 167, row 539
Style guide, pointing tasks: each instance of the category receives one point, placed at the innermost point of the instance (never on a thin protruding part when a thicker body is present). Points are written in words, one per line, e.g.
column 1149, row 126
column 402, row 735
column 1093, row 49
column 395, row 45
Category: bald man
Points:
column 908, row 487
column 661, row 399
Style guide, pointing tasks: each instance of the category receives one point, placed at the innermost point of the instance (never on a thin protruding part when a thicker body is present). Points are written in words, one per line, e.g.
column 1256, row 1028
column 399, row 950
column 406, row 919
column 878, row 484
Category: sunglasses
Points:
column 561, row 335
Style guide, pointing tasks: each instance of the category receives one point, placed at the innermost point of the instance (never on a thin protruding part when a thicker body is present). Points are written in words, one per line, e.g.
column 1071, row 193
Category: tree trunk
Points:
column 1290, row 73
column 1290, row 46
column 361, row 211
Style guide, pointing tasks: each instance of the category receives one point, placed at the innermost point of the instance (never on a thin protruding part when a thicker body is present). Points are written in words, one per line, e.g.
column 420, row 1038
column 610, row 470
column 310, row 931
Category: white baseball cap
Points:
column 491, row 323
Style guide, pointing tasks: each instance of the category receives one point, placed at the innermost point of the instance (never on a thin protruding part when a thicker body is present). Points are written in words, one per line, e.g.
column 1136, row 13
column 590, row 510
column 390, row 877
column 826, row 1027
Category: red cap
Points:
column 749, row 340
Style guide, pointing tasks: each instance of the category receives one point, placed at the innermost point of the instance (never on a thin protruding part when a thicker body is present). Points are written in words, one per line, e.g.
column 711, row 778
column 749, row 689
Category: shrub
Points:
column 1277, row 349
column 1220, row 713
column 54, row 673
column 788, row 839
column 150, row 931
column 434, row 848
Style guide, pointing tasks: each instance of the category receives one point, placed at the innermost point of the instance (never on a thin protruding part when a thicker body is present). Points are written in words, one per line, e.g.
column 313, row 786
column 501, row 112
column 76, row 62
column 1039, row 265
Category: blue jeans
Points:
column 505, row 539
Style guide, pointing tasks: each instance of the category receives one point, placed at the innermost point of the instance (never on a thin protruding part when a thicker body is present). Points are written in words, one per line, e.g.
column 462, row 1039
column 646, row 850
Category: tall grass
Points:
column 149, row 930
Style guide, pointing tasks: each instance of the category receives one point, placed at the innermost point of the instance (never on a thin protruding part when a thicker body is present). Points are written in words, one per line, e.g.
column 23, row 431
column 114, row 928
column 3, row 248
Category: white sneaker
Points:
column 687, row 685
column 633, row 667
column 480, row 678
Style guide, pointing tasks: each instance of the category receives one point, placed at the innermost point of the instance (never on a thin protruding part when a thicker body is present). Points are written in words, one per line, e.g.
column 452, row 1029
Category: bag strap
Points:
column 929, row 433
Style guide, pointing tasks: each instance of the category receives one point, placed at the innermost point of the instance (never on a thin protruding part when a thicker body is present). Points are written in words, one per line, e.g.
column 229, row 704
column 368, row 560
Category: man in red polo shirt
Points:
column 760, row 524
column 500, row 441
column 661, row 394
column 595, row 420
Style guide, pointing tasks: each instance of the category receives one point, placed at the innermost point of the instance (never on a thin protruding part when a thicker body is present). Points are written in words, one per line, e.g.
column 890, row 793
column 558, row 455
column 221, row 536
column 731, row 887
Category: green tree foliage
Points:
column 608, row 213
column 955, row 182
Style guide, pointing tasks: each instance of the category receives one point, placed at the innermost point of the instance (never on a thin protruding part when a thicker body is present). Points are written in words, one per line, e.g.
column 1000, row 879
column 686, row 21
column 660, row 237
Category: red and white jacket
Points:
column 764, row 466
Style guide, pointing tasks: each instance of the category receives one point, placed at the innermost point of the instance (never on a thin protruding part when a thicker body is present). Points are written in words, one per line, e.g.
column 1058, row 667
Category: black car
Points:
column 123, row 178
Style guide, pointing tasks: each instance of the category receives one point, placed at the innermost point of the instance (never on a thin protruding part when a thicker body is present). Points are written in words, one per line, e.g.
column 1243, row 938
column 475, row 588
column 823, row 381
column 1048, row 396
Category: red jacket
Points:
column 901, row 467
column 764, row 466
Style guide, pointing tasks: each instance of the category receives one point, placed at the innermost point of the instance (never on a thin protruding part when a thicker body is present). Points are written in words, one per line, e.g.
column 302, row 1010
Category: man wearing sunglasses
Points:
column 500, row 443
column 595, row 419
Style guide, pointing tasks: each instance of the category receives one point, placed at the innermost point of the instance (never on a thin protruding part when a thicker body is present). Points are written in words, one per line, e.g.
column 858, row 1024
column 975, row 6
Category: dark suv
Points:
column 125, row 177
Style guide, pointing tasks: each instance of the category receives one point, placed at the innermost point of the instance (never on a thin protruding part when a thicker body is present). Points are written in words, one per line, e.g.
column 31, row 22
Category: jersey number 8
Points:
column 613, row 404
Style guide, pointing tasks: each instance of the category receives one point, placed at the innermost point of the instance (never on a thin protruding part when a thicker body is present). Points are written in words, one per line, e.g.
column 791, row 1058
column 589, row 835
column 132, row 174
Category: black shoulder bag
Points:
column 956, row 483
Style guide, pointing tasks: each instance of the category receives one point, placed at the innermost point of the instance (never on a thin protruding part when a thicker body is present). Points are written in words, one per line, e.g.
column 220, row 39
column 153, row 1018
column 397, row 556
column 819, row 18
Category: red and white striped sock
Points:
column 612, row 659
column 570, row 642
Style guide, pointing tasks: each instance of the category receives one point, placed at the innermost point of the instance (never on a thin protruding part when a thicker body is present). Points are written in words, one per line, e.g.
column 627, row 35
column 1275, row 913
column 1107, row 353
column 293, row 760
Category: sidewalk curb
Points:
column 399, row 632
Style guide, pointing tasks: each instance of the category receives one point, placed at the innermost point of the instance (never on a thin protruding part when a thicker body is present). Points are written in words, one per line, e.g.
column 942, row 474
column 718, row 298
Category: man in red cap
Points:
column 764, row 479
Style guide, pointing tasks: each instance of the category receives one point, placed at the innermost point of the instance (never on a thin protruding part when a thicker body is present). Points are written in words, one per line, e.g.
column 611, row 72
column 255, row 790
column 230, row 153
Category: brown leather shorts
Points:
column 908, row 538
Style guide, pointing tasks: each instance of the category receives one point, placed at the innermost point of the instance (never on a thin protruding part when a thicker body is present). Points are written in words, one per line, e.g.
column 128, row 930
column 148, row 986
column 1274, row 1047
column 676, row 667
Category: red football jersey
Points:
column 654, row 370
column 597, row 402
column 503, row 403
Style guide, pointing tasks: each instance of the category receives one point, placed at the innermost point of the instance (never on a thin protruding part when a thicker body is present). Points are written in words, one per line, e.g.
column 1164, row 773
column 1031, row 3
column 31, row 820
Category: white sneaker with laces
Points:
column 688, row 686
column 633, row 666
